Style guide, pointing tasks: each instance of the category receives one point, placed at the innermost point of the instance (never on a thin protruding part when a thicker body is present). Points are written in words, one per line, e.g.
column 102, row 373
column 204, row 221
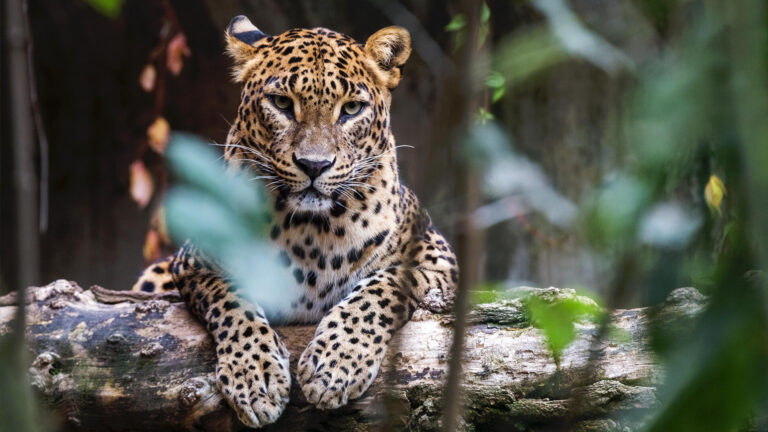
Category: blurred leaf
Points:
column 142, row 186
column 483, row 116
column 198, row 166
column 494, row 80
column 157, row 134
column 227, row 217
column 719, row 367
column 578, row 40
column 177, row 50
column 485, row 13
column 21, row 410
column 484, row 297
column 664, row 133
column 482, row 35
column 458, row 22
column 147, row 78
column 668, row 225
column 556, row 319
column 618, row 335
column 714, row 193
column 485, row 27
column 498, row 93
column 109, row 8
column 519, row 57
column 616, row 209
column 517, row 184
column 487, row 143
column 488, row 292
column 204, row 219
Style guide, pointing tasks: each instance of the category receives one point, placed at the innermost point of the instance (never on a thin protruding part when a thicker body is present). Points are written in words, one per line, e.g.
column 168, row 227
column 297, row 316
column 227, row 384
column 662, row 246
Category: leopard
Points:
column 314, row 125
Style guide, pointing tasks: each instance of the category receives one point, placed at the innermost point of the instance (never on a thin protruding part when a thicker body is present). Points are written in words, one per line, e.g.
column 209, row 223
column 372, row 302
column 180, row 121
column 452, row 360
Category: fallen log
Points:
column 121, row 361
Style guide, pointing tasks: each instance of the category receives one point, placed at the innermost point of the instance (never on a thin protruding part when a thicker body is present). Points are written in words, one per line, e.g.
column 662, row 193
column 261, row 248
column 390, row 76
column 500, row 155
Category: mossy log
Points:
column 120, row 361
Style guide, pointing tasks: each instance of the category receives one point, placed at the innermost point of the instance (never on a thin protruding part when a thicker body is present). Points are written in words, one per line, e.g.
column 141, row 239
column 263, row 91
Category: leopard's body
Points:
column 314, row 122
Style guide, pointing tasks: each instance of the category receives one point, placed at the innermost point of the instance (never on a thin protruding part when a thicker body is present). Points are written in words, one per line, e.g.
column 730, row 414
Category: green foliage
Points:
column 109, row 8
column 19, row 409
column 489, row 292
column 483, row 116
column 496, row 82
column 687, row 120
column 207, row 193
column 615, row 211
column 225, row 215
column 556, row 319
column 458, row 22
column 458, row 25
column 523, row 56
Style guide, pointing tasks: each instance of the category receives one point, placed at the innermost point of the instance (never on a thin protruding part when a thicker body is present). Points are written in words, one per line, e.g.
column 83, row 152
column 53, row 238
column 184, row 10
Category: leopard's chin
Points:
column 310, row 200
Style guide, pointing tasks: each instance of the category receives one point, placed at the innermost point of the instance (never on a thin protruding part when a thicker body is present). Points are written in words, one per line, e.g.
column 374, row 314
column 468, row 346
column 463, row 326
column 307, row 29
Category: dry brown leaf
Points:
column 141, row 184
column 157, row 133
column 177, row 50
column 152, row 246
column 147, row 78
column 157, row 222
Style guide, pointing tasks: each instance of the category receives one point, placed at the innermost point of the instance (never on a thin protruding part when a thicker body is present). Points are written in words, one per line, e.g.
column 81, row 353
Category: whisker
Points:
column 248, row 149
column 355, row 184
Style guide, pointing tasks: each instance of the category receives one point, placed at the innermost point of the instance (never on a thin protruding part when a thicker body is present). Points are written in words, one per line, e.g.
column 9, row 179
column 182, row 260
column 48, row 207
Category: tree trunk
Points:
column 115, row 360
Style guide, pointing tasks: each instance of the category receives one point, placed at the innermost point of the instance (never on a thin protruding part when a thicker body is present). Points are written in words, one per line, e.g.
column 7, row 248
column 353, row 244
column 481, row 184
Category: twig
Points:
column 470, row 246
column 42, row 137
column 19, row 410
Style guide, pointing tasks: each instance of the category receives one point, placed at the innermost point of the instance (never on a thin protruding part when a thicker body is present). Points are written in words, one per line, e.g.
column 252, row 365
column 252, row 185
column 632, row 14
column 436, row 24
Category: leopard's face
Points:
column 313, row 120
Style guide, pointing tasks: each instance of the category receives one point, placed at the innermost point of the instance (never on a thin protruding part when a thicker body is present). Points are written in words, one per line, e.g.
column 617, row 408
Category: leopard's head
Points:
column 313, row 120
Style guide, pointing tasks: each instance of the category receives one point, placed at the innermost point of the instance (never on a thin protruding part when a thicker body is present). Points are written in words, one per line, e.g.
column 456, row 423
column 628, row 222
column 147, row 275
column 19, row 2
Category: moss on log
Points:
column 114, row 360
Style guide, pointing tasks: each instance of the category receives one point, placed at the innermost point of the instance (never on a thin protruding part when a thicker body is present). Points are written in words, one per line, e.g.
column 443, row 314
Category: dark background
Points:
column 95, row 115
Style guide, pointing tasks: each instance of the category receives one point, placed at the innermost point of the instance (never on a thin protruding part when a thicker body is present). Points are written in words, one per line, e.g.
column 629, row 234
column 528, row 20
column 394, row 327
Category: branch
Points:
column 146, row 364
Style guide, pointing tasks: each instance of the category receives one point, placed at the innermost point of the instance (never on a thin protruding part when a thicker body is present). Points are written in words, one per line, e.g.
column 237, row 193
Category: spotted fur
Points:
column 361, row 250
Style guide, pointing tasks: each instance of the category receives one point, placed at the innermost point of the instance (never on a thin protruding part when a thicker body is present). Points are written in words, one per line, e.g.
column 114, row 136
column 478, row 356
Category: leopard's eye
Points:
column 283, row 102
column 351, row 108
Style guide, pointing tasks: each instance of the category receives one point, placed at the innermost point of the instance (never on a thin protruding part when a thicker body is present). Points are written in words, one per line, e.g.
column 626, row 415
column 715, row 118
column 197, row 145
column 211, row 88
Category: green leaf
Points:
column 483, row 116
column 482, row 34
column 483, row 297
column 205, row 220
column 495, row 80
column 485, row 13
column 458, row 22
column 520, row 57
column 556, row 320
column 615, row 211
column 109, row 8
column 226, row 216
column 197, row 165
column 488, row 292
column 498, row 94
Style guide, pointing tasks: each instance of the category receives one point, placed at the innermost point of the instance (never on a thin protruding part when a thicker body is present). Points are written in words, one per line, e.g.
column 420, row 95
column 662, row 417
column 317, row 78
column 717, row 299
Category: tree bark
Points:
column 119, row 361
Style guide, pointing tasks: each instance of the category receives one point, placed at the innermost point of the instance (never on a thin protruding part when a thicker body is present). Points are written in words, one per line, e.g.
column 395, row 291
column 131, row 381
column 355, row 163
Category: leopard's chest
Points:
column 325, row 257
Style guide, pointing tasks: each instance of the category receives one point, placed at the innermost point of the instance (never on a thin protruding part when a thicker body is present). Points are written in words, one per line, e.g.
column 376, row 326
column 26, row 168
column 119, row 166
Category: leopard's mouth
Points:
column 310, row 199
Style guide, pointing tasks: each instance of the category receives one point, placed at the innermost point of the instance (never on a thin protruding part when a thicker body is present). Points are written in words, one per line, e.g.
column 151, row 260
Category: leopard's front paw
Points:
column 339, row 364
column 253, row 376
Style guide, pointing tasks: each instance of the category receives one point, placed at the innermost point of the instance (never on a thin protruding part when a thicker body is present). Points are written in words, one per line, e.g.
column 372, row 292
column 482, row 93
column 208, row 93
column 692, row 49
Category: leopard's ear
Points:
column 387, row 50
column 241, row 36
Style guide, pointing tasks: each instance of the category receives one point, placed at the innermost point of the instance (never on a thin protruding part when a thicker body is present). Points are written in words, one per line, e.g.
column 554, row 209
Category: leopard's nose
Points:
column 313, row 168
